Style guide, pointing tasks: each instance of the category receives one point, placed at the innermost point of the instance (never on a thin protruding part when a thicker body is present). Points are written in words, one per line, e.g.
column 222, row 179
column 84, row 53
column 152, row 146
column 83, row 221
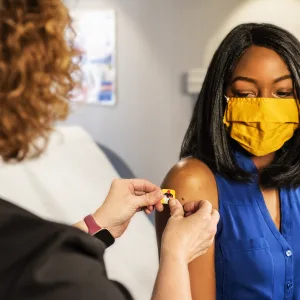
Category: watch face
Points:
column 105, row 236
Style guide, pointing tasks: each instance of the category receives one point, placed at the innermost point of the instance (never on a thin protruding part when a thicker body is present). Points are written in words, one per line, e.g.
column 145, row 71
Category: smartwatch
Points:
column 97, row 231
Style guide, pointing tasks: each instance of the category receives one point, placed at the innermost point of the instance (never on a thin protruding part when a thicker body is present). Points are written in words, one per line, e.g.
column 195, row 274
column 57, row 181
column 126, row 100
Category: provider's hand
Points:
column 125, row 198
column 188, row 237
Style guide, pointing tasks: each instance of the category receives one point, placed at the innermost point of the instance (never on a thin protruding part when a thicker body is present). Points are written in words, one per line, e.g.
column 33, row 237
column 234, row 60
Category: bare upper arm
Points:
column 193, row 181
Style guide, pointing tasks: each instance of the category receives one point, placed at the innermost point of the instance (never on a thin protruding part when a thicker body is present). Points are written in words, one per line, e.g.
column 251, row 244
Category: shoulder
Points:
column 192, row 180
column 191, row 170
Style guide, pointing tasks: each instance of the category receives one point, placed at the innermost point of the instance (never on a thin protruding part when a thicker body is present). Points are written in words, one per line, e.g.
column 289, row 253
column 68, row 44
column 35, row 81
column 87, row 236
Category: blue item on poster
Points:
column 105, row 96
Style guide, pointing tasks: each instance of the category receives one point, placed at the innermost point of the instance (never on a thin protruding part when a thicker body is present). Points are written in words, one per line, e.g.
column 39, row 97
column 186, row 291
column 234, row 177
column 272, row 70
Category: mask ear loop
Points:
column 227, row 100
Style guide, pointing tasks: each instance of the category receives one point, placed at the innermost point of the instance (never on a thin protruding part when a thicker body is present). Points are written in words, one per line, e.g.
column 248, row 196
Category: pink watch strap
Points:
column 91, row 224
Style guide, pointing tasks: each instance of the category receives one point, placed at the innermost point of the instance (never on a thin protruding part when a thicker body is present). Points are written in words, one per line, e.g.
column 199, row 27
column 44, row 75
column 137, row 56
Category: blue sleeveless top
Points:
column 254, row 260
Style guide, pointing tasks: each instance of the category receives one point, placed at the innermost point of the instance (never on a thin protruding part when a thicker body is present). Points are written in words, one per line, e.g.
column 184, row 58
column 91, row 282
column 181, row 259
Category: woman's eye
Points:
column 285, row 94
column 244, row 95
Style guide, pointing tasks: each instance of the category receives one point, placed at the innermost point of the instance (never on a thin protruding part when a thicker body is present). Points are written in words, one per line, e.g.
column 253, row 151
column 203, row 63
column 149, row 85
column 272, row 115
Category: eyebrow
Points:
column 283, row 78
column 243, row 78
column 251, row 80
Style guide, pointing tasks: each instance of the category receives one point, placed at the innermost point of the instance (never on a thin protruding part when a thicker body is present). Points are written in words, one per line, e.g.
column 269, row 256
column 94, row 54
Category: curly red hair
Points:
column 37, row 65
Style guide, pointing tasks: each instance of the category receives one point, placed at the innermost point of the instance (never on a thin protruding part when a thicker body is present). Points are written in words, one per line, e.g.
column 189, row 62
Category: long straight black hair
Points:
column 206, row 137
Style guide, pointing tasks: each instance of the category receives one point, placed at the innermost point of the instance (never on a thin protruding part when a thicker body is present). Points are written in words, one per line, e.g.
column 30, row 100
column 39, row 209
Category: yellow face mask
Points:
column 261, row 125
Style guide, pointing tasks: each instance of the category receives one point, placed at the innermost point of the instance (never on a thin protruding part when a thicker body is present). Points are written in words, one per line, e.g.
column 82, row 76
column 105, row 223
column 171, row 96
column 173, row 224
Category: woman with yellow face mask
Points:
column 242, row 153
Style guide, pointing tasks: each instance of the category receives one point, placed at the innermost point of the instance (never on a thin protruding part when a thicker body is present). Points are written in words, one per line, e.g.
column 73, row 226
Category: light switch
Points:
column 195, row 78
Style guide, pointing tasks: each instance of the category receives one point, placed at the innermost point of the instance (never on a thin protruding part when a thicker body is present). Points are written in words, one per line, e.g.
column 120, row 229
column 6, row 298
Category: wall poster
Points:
column 96, row 39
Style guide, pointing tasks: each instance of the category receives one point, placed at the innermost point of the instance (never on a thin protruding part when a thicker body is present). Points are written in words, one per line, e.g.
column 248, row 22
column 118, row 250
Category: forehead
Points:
column 260, row 63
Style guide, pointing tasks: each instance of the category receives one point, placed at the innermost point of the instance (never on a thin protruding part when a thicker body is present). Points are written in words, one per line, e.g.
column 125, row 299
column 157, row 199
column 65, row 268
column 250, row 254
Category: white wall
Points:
column 158, row 41
column 283, row 13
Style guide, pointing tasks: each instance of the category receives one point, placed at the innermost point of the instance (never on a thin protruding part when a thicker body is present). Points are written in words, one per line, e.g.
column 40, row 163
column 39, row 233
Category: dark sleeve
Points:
column 71, row 267
column 70, row 276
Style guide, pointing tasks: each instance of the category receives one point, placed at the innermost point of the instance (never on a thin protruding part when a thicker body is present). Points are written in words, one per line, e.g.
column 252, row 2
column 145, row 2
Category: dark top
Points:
column 45, row 260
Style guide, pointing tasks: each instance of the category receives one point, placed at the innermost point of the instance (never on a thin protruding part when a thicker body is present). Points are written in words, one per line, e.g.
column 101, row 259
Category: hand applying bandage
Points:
column 125, row 198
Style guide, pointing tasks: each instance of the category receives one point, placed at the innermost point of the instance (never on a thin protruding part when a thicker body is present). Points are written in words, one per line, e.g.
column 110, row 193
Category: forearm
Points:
column 173, row 281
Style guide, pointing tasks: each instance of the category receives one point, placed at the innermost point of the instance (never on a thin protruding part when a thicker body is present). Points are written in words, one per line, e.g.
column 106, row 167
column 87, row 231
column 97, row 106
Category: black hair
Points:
column 206, row 137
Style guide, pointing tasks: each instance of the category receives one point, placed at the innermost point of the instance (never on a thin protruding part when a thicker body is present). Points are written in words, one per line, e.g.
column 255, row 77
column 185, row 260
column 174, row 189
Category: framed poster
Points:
column 96, row 39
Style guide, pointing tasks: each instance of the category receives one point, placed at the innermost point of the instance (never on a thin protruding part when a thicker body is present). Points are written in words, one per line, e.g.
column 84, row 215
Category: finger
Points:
column 159, row 206
column 188, row 214
column 205, row 208
column 176, row 208
column 142, row 185
column 139, row 193
column 215, row 216
column 149, row 199
column 150, row 208
column 191, row 206
column 147, row 211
